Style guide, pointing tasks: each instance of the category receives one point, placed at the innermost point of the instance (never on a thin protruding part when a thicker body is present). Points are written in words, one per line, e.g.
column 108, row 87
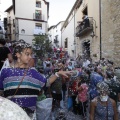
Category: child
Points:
column 82, row 95
column 21, row 84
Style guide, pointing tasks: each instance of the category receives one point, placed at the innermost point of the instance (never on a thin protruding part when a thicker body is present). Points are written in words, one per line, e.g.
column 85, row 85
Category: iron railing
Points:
column 84, row 26
column 38, row 16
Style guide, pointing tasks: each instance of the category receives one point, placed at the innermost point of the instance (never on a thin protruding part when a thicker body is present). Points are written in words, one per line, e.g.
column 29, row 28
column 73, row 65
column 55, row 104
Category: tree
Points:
column 42, row 46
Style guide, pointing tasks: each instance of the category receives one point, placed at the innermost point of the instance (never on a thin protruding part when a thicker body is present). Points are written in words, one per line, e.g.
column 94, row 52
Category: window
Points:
column 38, row 4
column 38, row 26
column 38, row 12
column 13, row 31
column 23, row 31
column 38, row 15
column 66, row 43
column 85, row 11
column 56, row 37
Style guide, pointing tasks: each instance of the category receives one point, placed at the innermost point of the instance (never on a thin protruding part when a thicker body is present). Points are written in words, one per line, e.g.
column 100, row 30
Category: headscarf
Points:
column 102, row 87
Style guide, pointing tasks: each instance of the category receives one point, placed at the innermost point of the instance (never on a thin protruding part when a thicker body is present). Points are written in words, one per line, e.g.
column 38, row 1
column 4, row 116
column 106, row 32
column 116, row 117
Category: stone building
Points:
column 101, row 38
column 110, row 30
column 81, row 38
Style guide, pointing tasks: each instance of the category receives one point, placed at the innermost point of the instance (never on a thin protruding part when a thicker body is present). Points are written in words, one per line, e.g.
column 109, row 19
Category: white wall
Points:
column 29, row 27
column 26, row 9
column 68, row 32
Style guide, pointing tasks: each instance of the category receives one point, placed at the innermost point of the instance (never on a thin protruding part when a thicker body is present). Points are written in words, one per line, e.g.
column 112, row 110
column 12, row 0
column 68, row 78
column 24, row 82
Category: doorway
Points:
column 86, row 49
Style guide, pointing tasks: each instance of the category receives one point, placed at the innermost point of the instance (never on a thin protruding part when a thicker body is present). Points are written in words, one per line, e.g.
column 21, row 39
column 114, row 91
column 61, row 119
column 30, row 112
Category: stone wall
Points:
column 110, row 30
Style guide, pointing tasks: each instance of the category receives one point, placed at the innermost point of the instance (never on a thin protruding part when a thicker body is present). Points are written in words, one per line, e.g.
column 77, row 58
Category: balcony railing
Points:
column 38, row 16
column 39, row 32
column 84, row 27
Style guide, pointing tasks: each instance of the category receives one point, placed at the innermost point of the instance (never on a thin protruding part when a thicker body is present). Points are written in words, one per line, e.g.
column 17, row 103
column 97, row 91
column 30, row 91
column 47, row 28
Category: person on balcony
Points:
column 86, row 21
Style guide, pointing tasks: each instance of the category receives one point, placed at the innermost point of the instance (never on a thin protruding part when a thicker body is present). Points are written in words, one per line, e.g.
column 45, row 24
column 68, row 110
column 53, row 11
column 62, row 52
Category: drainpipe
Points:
column 74, row 36
column 100, row 29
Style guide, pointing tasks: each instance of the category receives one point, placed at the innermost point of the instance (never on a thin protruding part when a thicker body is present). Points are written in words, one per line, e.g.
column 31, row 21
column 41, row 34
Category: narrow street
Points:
column 59, row 59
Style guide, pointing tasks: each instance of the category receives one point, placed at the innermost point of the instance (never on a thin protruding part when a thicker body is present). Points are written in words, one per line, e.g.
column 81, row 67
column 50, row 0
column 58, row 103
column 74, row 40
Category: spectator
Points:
column 82, row 95
column 4, row 53
column 102, row 107
column 21, row 83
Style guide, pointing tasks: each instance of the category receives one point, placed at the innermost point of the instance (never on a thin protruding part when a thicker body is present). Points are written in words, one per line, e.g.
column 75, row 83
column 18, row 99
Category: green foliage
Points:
column 42, row 45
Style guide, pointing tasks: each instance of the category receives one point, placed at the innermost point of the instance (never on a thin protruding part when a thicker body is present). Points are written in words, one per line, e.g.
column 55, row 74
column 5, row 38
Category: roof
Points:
column 77, row 3
column 8, row 9
column 53, row 26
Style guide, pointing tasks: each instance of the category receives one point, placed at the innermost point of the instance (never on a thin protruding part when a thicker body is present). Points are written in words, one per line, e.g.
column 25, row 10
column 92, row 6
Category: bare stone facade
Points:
column 110, row 30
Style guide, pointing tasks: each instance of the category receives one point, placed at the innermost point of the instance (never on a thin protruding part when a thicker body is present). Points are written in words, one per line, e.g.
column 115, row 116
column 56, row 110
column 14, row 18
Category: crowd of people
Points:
column 93, row 87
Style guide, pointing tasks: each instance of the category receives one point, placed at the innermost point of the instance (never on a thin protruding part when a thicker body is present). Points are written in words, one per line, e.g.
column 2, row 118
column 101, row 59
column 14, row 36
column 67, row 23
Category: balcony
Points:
column 39, row 32
column 38, row 16
column 84, row 27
